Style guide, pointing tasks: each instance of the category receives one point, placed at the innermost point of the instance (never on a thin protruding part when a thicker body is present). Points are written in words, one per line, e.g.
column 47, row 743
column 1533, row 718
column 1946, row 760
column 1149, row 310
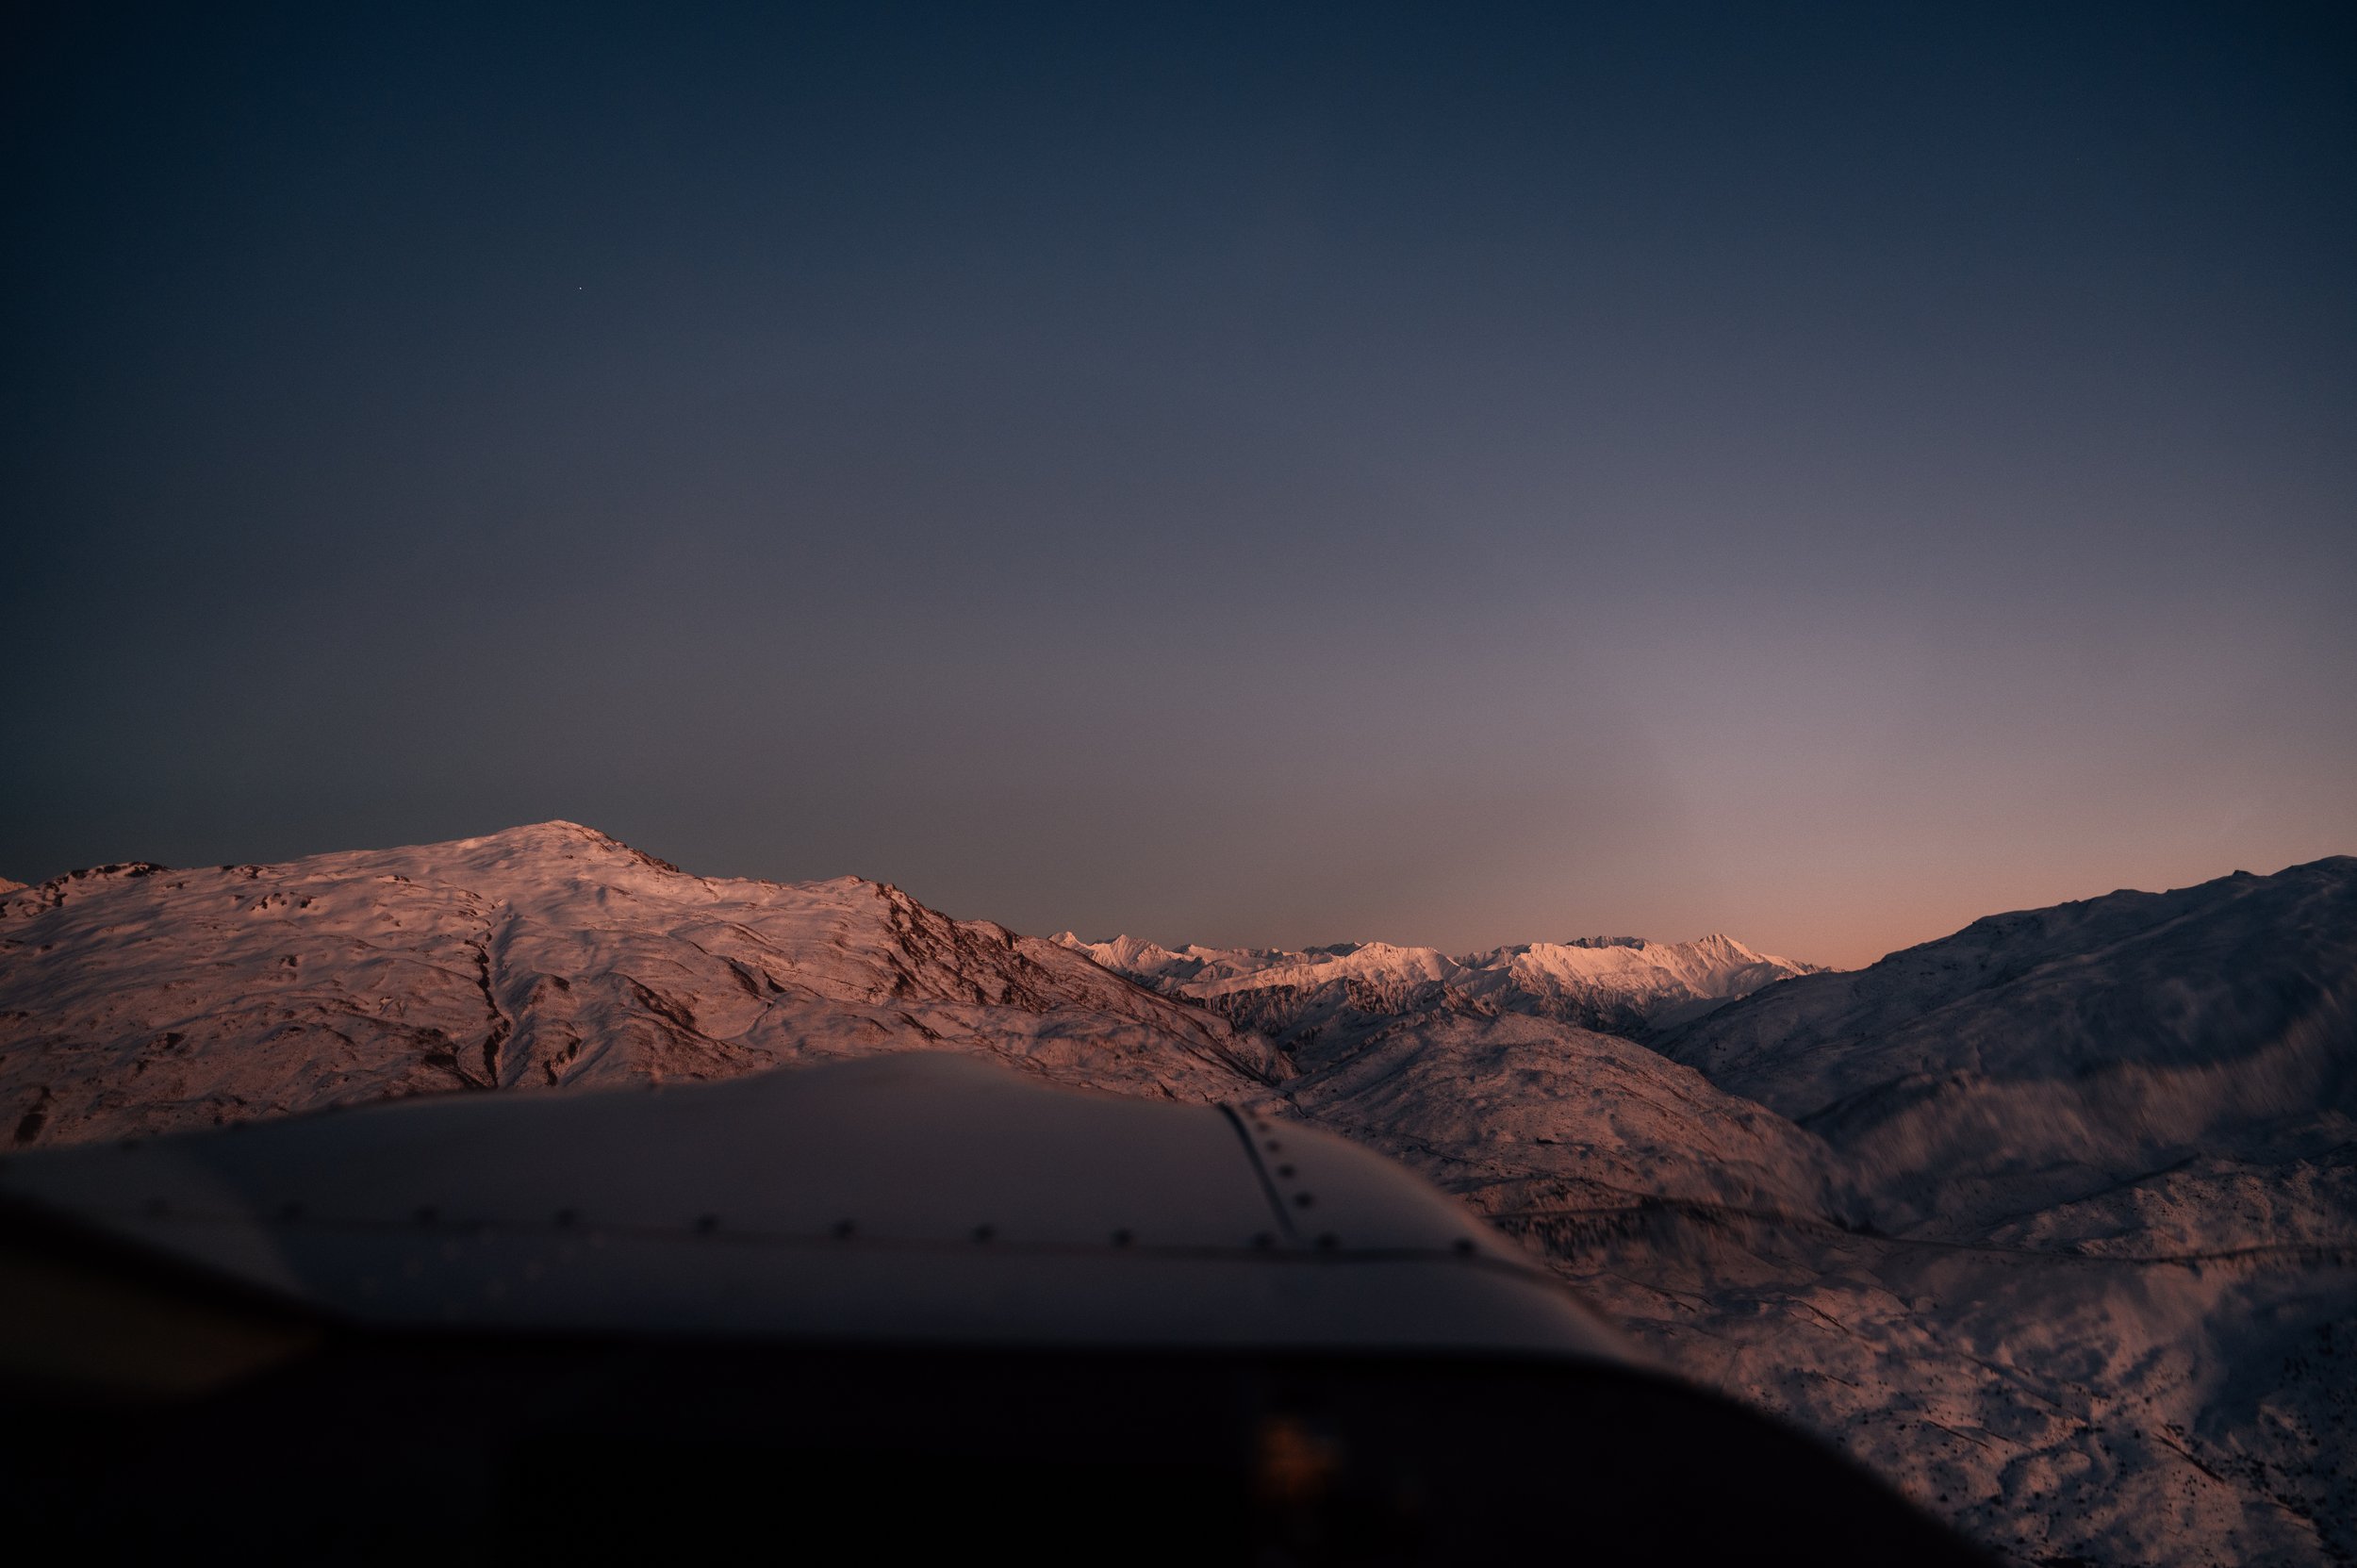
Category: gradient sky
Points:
column 1272, row 474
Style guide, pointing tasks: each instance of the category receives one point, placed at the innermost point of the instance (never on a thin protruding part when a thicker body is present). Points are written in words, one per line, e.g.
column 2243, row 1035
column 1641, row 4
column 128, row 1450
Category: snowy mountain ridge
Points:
column 135, row 999
column 1620, row 984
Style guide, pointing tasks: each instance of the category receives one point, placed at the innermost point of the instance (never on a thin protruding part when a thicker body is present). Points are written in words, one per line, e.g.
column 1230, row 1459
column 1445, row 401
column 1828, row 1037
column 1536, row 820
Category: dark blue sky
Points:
column 1275, row 474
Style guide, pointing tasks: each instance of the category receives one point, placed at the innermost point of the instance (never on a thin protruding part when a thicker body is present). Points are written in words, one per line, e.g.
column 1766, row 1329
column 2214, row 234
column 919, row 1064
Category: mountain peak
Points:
column 543, row 956
column 555, row 836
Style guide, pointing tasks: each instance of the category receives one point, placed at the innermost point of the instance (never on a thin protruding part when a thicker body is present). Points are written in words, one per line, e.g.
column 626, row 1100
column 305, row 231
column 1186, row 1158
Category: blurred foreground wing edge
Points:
column 920, row 1298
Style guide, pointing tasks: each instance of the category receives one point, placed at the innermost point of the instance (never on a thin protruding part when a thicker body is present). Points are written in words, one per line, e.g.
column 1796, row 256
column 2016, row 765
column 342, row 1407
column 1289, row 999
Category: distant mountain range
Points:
column 2053, row 1221
column 1621, row 984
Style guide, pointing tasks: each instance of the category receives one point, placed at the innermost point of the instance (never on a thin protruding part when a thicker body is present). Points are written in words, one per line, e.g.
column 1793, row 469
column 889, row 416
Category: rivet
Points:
column 1462, row 1246
column 1284, row 1170
column 566, row 1217
column 1123, row 1238
column 1327, row 1241
column 708, row 1223
column 1302, row 1200
column 983, row 1233
column 1273, row 1145
column 1263, row 1241
column 843, row 1228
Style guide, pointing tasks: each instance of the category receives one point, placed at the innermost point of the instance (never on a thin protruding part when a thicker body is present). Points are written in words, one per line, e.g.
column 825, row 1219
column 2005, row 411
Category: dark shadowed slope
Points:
column 2110, row 1150
column 2062, row 1056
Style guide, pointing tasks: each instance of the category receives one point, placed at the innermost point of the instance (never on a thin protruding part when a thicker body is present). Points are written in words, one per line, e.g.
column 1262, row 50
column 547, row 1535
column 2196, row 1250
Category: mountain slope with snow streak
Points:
column 135, row 999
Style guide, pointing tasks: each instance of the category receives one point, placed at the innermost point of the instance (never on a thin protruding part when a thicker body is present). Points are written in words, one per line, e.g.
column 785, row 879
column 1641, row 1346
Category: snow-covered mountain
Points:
column 1620, row 984
column 137, row 999
column 2053, row 1222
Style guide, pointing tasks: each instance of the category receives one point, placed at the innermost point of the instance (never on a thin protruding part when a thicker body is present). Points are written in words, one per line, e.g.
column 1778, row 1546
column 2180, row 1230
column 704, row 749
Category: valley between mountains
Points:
column 2051, row 1222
